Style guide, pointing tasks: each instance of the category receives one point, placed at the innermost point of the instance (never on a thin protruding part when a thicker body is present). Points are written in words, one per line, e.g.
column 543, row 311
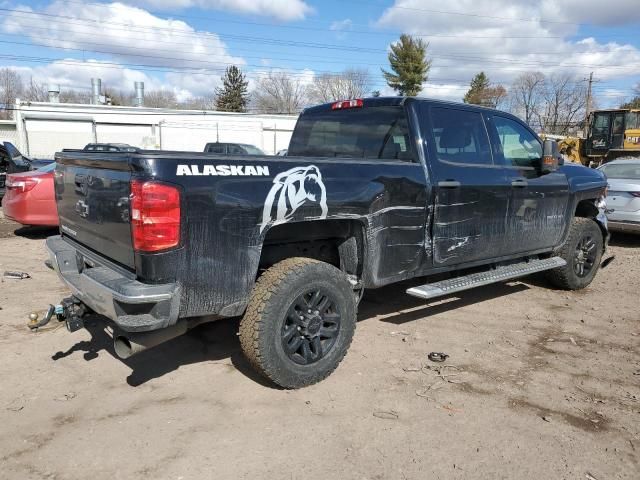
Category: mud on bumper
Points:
column 134, row 306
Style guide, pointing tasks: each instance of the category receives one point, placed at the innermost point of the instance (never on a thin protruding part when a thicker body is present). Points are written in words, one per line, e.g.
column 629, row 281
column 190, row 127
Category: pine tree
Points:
column 233, row 97
column 408, row 60
column 477, row 90
column 482, row 93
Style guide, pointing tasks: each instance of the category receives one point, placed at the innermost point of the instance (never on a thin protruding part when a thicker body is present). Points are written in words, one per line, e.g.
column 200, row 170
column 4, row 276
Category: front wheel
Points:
column 299, row 322
column 582, row 251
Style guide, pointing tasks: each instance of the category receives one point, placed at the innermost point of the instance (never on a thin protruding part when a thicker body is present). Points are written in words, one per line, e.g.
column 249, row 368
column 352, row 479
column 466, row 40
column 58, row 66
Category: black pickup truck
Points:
column 372, row 192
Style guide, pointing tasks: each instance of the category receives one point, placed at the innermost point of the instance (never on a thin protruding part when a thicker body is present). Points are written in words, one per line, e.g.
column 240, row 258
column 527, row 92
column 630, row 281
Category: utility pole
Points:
column 589, row 101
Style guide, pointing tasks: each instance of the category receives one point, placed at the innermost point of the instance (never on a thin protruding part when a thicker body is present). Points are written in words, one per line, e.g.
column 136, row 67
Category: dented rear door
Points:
column 471, row 191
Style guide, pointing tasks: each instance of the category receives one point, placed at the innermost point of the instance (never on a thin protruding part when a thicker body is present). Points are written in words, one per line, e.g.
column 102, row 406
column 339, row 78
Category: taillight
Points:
column 155, row 216
column 21, row 186
column 342, row 105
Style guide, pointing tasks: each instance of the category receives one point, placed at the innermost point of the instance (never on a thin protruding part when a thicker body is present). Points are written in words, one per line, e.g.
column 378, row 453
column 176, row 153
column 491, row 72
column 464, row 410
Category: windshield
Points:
column 17, row 158
column 601, row 123
column 373, row 132
column 47, row 168
column 630, row 171
column 632, row 120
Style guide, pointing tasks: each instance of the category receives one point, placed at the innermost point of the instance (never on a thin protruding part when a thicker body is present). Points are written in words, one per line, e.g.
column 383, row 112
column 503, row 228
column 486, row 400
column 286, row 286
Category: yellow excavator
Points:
column 610, row 134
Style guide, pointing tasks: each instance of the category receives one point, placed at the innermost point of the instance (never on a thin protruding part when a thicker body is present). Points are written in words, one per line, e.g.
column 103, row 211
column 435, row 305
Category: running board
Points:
column 507, row 272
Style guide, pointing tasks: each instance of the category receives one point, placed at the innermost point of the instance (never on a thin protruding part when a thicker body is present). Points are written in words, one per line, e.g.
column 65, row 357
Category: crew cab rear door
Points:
column 471, row 191
column 538, row 203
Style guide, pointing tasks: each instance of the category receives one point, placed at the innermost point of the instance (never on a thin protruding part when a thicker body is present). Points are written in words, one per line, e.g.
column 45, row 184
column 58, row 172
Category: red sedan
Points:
column 29, row 197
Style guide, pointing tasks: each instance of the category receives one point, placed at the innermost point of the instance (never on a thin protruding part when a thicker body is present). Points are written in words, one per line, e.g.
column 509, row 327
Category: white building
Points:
column 43, row 128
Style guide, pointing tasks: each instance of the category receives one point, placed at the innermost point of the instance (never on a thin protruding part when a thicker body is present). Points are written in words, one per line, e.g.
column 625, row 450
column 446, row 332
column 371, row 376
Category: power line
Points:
column 289, row 43
column 207, row 62
column 449, row 83
column 393, row 7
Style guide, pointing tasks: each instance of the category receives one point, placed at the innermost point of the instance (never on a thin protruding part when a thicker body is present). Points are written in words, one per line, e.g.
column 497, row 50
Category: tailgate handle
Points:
column 519, row 183
column 449, row 184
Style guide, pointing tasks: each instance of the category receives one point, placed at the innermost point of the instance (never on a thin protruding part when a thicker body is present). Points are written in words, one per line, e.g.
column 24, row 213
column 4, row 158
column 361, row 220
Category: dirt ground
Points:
column 540, row 384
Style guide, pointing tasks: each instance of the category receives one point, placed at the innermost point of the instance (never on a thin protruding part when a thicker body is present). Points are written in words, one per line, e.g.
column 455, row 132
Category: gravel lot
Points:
column 540, row 384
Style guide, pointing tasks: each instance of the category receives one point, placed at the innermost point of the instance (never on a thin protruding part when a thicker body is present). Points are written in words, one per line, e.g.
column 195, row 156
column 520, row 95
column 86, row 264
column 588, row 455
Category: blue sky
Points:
column 184, row 44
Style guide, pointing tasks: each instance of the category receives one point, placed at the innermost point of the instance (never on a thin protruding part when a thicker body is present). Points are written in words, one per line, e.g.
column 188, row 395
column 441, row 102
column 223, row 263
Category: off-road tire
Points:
column 274, row 293
column 566, row 277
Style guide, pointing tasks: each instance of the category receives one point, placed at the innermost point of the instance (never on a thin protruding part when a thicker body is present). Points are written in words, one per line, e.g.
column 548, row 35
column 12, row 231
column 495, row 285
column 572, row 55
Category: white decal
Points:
column 68, row 230
column 291, row 190
column 224, row 170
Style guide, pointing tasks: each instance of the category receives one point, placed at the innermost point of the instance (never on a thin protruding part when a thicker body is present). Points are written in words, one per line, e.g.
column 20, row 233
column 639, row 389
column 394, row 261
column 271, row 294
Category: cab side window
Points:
column 460, row 137
column 518, row 145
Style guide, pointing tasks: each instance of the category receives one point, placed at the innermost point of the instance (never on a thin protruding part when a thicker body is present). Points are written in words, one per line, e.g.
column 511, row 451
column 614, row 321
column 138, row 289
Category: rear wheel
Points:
column 299, row 322
column 582, row 251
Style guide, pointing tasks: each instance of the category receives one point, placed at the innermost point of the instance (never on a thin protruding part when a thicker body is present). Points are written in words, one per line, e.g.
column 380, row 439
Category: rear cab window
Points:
column 625, row 171
column 377, row 133
column 216, row 148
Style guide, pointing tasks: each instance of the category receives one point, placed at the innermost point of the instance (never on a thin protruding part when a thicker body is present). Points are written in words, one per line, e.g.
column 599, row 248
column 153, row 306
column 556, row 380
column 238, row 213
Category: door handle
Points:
column 519, row 183
column 449, row 184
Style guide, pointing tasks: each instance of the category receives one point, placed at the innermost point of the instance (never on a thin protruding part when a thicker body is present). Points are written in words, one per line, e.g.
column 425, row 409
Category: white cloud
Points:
column 72, row 74
column 285, row 10
column 595, row 12
column 496, row 36
column 128, row 34
column 341, row 27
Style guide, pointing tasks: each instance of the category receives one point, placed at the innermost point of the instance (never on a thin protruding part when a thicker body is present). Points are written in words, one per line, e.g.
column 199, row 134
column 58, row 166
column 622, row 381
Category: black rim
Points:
column 585, row 256
column 311, row 327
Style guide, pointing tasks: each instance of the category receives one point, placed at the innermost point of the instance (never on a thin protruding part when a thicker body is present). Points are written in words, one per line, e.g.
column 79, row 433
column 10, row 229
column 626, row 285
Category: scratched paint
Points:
column 408, row 229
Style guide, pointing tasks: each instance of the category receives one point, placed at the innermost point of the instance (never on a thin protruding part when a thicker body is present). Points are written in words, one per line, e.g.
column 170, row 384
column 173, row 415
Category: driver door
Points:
column 538, row 204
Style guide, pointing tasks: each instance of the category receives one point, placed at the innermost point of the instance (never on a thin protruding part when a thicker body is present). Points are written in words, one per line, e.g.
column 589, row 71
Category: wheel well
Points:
column 587, row 209
column 337, row 242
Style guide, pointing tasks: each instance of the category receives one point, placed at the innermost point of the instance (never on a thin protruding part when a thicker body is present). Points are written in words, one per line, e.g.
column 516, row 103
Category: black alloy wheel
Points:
column 311, row 327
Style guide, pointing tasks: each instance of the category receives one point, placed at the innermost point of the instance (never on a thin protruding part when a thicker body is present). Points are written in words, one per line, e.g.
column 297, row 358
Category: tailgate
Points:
column 92, row 194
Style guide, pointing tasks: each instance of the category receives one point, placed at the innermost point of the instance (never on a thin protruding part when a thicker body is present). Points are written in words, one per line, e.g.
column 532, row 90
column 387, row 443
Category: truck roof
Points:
column 399, row 101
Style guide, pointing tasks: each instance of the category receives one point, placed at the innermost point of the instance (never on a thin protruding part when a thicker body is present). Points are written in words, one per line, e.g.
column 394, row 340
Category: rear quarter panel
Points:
column 230, row 203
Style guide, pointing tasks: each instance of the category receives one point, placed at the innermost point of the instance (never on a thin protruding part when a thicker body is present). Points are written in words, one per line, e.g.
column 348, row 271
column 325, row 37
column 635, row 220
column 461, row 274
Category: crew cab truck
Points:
column 372, row 192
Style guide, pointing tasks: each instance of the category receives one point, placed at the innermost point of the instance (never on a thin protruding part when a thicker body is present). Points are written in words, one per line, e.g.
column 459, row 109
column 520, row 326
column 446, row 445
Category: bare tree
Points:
column 279, row 92
column 118, row 97
column 527, row 95
column 36, row 92
column 160, row 99
column 330, row 87
column 564, row 105
column 11, row 88
column 496, row 96
column 75, row 96
column 198, row 103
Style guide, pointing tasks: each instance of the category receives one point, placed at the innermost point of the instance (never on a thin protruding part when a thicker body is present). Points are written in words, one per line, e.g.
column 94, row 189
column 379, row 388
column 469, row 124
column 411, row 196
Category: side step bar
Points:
column 507, row 272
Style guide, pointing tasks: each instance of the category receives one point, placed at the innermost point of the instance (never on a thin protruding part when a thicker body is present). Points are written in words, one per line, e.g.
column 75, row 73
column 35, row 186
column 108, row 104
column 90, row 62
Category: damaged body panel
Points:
column 384, row 189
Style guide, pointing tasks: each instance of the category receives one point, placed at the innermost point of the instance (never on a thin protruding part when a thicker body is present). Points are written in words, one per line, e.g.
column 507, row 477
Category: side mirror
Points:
column 550, row 156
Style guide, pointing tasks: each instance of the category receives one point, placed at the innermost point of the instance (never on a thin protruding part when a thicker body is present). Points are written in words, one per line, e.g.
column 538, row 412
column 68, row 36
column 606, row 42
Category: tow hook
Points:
column 70, row 310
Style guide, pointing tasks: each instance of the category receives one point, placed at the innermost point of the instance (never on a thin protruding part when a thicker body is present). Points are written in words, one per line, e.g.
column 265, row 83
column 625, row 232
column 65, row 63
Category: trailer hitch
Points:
column 70, row 310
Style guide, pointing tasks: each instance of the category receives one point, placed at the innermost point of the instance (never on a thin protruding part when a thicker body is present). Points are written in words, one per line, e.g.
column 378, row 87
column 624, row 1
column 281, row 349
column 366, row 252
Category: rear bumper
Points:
column 628, row 227
column 28, row 210
column 132, row 305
